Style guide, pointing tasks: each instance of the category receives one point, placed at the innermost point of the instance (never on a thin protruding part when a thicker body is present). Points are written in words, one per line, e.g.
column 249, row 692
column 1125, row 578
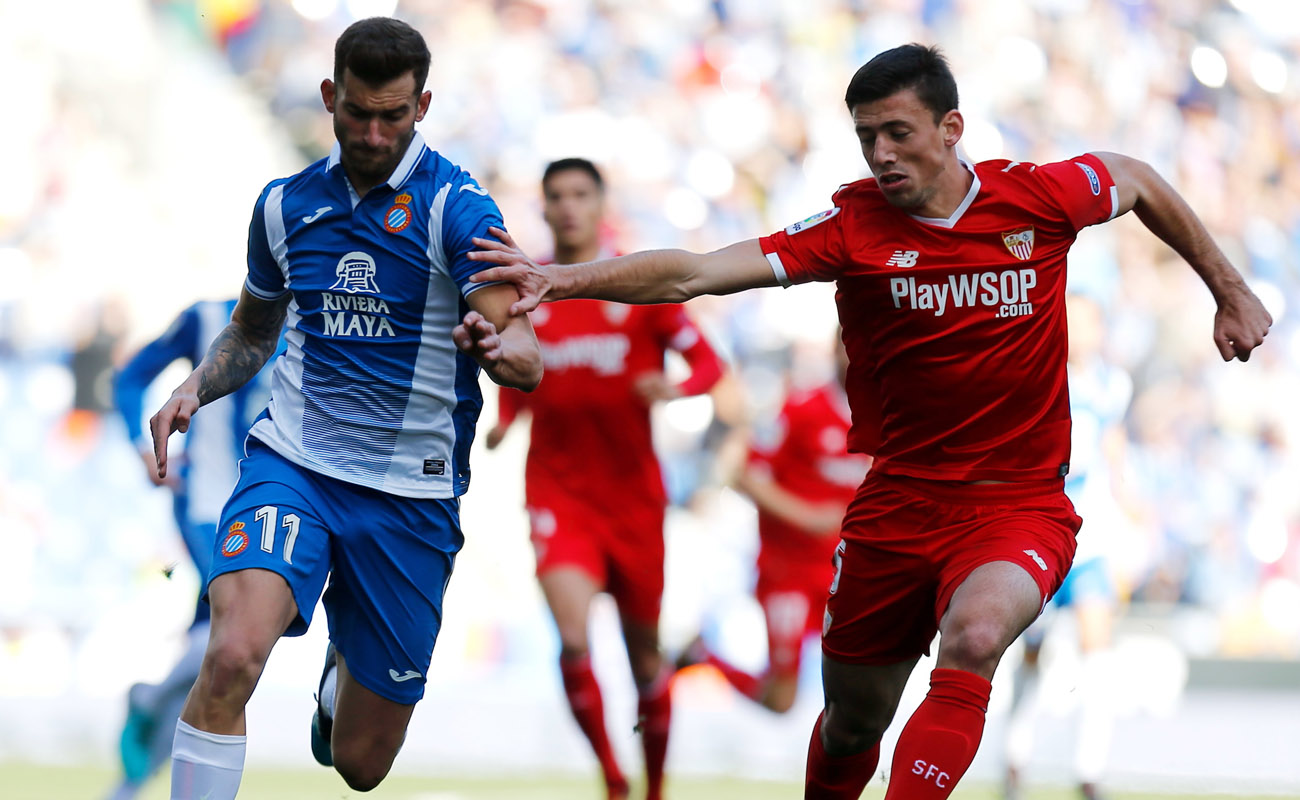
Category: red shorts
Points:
column 792, row 612
column 909, row 543
column 623, row 555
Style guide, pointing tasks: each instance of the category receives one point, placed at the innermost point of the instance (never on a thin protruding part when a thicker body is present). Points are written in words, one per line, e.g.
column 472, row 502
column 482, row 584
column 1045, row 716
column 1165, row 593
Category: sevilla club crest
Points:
column 1020, row 242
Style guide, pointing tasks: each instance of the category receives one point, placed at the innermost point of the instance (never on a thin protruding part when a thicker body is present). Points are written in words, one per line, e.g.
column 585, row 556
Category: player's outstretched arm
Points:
column 505, row 346
column 651, row 276
column 234, row 357
column 815, row 519
column 1242, row 322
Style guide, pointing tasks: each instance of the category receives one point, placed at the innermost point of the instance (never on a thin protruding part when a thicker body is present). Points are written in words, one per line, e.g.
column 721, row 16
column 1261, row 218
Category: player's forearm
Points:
column 235, row 356
column 1164, row 212
column 770, row 498
column 652, row 276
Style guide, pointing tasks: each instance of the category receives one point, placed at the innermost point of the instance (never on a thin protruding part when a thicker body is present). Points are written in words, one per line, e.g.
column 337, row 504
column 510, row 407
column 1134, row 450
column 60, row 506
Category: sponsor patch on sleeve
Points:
column 1094, row 182
column 815, row 219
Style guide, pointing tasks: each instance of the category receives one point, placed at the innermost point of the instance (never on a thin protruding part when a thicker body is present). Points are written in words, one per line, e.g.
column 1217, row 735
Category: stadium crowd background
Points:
column 146, row 129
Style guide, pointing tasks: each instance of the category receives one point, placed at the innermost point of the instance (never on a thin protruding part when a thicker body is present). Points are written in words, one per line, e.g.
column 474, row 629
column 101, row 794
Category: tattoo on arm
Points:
column 236, row 355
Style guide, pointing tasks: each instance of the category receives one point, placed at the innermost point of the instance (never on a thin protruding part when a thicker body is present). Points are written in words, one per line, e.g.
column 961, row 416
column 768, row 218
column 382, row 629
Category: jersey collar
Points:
column 404, row 167
column 952, row 220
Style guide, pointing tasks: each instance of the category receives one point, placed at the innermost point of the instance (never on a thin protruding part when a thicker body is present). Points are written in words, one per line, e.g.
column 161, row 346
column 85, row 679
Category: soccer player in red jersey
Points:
column 593, row 487
column 951, row 291
column 801, row 477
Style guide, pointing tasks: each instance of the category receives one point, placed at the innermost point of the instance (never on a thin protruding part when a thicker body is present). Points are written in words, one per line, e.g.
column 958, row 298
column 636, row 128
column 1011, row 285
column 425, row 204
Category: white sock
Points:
column 206, row 766
column 329, row 691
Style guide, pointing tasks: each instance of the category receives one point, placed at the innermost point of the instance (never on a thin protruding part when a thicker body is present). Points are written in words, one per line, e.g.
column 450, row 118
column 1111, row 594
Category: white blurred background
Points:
column 134, row 137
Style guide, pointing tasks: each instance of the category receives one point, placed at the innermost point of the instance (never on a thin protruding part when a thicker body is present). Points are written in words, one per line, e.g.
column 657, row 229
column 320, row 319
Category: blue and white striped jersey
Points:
column 215, row 440
column 372, row 390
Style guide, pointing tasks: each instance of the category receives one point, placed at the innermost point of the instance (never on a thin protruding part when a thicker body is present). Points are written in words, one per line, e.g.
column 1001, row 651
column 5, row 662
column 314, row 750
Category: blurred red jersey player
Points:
column 801, row 477
column 593, row 485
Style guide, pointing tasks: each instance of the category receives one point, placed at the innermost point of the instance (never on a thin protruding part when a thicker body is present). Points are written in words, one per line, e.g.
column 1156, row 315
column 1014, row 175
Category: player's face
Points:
column 909, row 153
column 572, row 205
column 374, row 123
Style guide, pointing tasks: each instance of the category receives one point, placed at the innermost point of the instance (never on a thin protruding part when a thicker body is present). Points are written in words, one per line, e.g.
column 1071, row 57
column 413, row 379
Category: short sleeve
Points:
column 809, row 250
column 469, row 212
column 266, row 279
column 1083, row 188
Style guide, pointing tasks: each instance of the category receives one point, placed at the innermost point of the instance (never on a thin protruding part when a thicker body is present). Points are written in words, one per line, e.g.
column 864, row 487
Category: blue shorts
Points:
column 388, row 560
column 198, row 538
column 1086, row 580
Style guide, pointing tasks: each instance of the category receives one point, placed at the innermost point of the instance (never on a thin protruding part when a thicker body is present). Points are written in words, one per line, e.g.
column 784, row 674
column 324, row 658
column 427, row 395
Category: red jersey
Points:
column 591, row 435
column 808, row 456
column 959, row 322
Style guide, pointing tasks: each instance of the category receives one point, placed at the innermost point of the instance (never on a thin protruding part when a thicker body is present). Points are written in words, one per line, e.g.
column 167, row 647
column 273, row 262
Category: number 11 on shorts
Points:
column 268, row 516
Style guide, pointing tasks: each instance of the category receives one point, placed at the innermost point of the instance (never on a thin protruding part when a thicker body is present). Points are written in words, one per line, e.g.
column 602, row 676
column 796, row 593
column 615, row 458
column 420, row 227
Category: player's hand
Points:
column 478, row 339
column 1240, row 324
column 151, row 471
column 532, row 281
column 174, row 416
column 494, row 436
column 652, row 387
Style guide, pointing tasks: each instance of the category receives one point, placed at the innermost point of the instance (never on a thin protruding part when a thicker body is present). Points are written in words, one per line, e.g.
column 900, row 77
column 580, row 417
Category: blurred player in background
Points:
column 593, row 486
column 200, row 483
column 801, row 476
column 356, row 469
column 1099, row 398
column 951, row 291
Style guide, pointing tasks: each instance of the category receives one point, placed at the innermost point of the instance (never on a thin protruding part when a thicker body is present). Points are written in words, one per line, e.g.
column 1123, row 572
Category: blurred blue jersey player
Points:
column 354, row 472
column 208, row 468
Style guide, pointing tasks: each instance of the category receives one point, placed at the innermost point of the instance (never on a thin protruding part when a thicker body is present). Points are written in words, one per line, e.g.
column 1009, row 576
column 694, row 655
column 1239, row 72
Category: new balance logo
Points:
column 903, row 258
column 410, row 673
column 1037, row 559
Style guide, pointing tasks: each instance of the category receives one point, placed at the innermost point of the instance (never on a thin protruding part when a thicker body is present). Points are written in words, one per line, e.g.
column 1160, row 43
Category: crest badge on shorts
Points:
column 1020, row 242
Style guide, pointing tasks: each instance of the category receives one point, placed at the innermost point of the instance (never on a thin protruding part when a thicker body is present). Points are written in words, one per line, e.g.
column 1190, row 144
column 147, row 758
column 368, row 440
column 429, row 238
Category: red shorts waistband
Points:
column 971, row 493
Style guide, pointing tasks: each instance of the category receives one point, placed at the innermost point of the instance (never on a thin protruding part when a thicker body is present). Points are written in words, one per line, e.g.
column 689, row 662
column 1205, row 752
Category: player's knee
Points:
column 363, row 765
column 976, row 645
column 234, row 667
column 846, row 730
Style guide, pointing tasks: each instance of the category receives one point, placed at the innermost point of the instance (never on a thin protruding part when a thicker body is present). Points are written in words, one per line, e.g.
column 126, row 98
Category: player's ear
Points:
column 952, row 125
column 422, row 105
column 327, row 94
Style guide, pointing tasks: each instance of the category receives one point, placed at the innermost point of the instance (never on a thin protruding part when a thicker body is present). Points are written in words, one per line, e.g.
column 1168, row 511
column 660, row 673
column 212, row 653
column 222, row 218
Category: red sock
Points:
column 654, row 711
column 843, row 778
column 589, row 710
column 939, row 742
column 750, row 686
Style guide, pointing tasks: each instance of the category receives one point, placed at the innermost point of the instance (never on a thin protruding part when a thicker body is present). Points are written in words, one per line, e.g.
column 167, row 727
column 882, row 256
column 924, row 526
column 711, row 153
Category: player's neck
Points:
column 953, row 187
column 576, row 254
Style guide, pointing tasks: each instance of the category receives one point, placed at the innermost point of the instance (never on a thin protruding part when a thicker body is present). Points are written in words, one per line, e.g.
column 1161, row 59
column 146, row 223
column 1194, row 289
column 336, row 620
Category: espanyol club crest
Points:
column 236, row 540
column 1020, row 242
column 398, row 216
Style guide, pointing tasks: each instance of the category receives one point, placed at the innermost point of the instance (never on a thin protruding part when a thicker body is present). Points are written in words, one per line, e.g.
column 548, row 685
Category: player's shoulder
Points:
column 435, row 172
column 858, row 192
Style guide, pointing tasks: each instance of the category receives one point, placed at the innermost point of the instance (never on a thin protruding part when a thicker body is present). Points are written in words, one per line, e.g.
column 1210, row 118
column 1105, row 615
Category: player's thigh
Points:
column 634, row 545
column 272, row 525
column 880, row 608
column 367, row 726
column 392, row 558
column 569, row 590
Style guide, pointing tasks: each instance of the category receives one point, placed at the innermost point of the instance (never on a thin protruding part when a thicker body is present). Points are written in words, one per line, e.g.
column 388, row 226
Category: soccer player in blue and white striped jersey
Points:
column 355, row 470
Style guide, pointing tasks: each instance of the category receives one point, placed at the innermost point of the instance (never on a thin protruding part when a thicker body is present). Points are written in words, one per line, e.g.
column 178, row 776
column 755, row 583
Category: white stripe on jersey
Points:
column 276, row 238
column 284, row 429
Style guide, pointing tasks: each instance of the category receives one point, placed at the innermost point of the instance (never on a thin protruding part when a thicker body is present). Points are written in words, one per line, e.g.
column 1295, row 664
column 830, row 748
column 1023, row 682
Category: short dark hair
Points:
column 911, row 66
column 579, row 164
column 380, row 49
